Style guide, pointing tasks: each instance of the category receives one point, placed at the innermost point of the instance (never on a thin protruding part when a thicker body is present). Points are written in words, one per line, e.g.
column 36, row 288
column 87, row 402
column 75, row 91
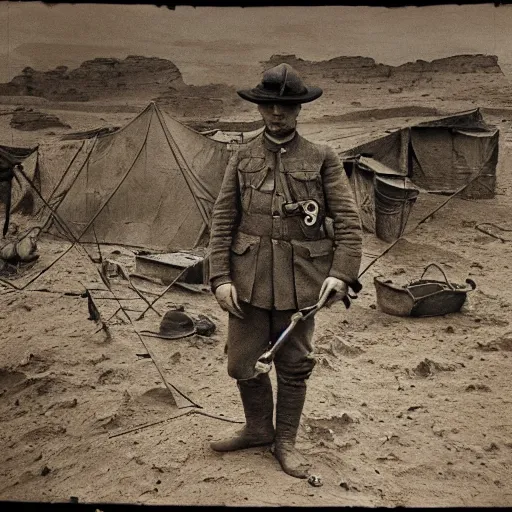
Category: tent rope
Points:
column 418, row 224
column 72, row 161
column 76, row 243
column 21, row 288
column 168, row 385
column 72, row 182
column 53, row 213
column 480, row 227
column 117, row 187
column 165, row 420
column 65, row 227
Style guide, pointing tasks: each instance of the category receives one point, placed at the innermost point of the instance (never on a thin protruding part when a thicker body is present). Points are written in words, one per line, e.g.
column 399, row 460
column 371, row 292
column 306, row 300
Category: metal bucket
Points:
column 394, row 199
column 422, row 298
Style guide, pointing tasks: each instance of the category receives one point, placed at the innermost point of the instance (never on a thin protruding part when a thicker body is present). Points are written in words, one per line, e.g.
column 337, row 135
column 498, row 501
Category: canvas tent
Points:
column 151, row 184
column 439, row 155
column 9, row 154
column 443, row 159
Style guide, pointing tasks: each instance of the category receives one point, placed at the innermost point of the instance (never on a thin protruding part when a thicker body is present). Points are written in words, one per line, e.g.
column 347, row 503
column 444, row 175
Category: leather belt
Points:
column 266, row 225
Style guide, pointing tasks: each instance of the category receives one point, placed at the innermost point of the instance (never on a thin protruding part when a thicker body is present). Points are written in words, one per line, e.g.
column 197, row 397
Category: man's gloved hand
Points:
column 227, row 298
column 332, row 290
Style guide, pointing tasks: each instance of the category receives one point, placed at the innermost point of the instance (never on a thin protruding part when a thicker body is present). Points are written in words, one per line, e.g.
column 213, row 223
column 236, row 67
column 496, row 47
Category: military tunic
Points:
column 273, row 260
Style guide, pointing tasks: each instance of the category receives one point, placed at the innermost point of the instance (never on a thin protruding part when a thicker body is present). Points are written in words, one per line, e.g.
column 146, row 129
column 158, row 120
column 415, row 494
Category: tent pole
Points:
column 201, row 233
column 186, row 172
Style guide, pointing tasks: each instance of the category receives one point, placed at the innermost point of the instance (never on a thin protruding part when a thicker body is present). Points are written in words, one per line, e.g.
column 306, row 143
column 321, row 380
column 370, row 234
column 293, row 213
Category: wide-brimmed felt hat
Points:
column 281, row 84
column 174, row 325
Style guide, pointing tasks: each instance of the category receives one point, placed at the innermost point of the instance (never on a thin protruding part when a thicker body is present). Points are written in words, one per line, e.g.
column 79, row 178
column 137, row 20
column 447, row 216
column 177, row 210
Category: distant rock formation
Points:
column 136, row 77
column 97, row 78
column 141, row 79
column 348, row 68
column 34, row 120
column 460, row 64
column 363, row 69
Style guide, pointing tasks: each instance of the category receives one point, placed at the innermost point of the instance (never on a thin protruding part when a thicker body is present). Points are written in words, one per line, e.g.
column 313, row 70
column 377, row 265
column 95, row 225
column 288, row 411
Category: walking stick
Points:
column 264, row 362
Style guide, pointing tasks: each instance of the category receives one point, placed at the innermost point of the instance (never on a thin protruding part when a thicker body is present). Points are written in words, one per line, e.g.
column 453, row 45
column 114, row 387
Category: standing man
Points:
column 271, row 255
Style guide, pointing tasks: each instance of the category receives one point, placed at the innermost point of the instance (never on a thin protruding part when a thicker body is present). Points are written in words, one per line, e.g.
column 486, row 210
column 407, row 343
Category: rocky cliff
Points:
column 363, row 69
column 98, row 78
column 140, row 79
column 458, row 64
column 347, row 68
column 134, row 78
column 151, row 77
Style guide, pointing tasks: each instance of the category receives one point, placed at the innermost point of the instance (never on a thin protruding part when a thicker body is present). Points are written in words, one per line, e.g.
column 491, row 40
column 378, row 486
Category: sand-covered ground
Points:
column 400, row 411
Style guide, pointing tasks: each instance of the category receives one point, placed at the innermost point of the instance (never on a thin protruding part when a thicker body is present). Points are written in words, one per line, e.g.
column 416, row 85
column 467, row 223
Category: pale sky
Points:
column 225, row 43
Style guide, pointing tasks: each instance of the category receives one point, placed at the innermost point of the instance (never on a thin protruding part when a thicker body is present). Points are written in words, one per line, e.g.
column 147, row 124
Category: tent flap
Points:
column 475, row 155
column 446, row 160
column 377, row 167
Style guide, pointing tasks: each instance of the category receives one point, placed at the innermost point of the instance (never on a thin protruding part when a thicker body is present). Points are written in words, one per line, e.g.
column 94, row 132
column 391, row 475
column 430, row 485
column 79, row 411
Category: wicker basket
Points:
column 421, row 298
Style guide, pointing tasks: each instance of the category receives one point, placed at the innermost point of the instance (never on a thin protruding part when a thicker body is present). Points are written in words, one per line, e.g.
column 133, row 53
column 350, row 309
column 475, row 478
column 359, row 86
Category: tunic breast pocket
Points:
column 252, row 172
column 305, row 185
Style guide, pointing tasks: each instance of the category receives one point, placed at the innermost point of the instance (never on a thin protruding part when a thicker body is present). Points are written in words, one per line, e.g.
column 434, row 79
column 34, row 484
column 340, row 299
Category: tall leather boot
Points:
column 258, row 405
column 290, row 402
